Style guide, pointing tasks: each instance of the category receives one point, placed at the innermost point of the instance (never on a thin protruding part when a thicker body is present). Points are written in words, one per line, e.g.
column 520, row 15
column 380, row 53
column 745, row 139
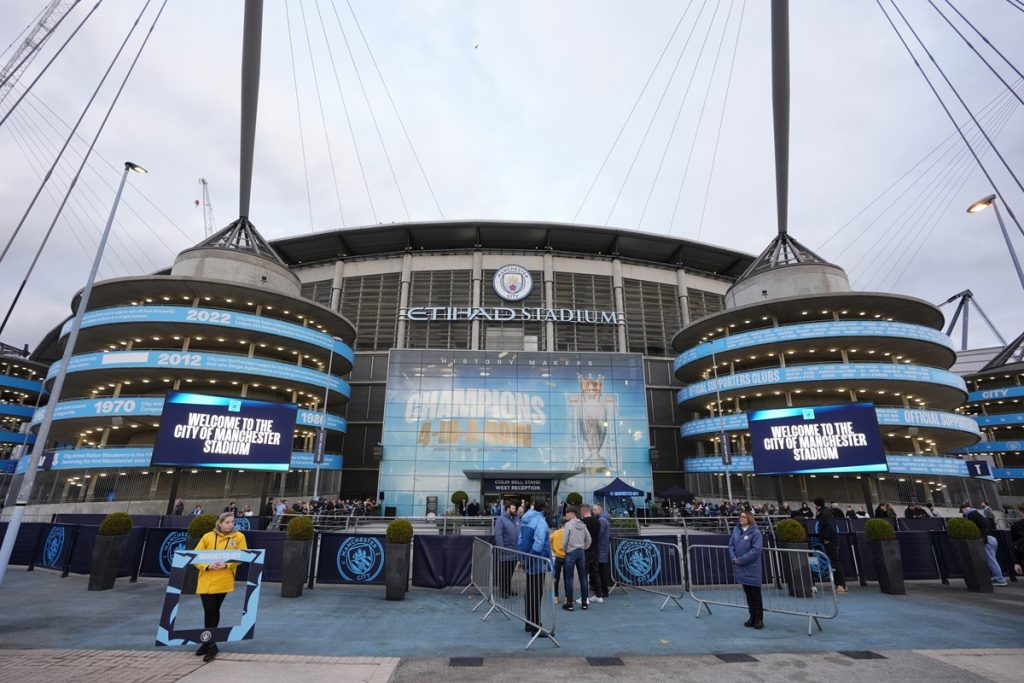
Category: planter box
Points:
column 294, row 567
column 106, row 558
column 796, row 570
column 888, row 565
column 396, row 571
column 971, row 556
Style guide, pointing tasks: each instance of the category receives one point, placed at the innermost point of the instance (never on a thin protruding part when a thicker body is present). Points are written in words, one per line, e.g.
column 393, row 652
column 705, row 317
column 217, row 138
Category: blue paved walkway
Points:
column 40, row 610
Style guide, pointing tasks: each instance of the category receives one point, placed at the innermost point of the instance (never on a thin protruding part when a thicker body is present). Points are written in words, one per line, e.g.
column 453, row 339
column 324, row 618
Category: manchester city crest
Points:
column 637, row 562
column 175, row 541
column 53, row 546
column 513, row 283
column 243, row 524
column 360, row 559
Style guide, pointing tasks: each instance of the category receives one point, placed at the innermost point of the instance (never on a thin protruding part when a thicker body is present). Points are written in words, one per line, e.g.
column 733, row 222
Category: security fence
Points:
column 651, row 566
column 521, row 589
column 794, row 581
column 481, row 568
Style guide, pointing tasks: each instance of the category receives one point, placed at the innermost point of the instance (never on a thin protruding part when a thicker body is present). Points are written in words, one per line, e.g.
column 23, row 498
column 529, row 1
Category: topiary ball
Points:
column 790, row 531
column 962, row 529
column 574, row 499
column 459, row 497
column 201, row 525
column 300, row 529
column 879, row 530
column 116, row 524
column 399, row 532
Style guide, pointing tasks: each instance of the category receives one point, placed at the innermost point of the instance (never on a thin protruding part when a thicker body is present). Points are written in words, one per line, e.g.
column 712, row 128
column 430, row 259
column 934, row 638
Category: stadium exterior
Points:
column 504, row 359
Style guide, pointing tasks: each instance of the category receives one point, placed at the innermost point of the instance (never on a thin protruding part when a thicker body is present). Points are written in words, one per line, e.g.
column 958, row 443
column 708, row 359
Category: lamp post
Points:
column 981, row 205
column 321, row 437
column 25, row 490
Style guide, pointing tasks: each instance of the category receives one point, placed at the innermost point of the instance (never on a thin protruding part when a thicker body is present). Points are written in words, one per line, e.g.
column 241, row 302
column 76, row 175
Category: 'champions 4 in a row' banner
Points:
column 816, row 439
column 197, row 430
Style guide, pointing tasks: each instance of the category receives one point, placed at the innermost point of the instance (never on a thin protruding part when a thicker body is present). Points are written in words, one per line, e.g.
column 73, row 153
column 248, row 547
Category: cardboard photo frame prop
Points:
column 167, row 635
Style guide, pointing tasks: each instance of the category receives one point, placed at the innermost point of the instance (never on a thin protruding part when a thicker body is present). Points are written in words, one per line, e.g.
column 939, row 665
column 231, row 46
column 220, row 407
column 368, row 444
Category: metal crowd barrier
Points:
column 521, row 588
column 789, row 582
column 481, row 567
column 651, row 566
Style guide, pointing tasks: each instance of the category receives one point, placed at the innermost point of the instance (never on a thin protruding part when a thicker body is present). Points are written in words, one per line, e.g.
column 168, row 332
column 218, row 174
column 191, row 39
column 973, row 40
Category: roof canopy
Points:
column 618, row 488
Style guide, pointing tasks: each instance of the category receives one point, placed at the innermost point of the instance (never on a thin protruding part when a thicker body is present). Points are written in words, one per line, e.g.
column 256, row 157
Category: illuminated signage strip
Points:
column 210, row 362
column 184, row 315
column 819, row 330
column 149, row 406
column 995, row 394
column 113, row 458
column 897, row 417
column 1008, row 472
column 8, row 382
column 837, row 372
column 898, row 464
column 15, row 410
column 1002, row 419
column 506, row 314
column 993, row 447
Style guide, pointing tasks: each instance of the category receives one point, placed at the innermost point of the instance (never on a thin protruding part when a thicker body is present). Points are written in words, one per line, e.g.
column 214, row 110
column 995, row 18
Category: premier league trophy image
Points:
column 595, row 415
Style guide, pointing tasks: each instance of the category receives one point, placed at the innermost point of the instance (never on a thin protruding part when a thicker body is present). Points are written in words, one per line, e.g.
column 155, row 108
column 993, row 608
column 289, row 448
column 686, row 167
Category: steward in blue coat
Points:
column 745, row 554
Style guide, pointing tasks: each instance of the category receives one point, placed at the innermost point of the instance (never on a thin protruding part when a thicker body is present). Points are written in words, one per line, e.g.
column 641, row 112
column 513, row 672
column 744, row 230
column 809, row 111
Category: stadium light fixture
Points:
column 981, row 205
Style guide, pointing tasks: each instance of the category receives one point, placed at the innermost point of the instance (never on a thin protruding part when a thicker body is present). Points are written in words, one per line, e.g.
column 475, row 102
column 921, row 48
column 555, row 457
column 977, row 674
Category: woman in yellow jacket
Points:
column 217, row 579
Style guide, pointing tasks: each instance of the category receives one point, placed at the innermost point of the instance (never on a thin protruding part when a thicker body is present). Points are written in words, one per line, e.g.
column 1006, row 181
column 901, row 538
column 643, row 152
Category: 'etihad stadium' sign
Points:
column 505, row 314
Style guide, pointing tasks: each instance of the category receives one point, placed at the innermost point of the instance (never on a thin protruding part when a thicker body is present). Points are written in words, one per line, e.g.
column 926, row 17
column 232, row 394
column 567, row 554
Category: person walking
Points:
column 604, row 567
column 593, row 573
column 217, row 579
column 829, row 537
column 506, row 537
column 745, row 554
column 534, row 539
column 577, row 540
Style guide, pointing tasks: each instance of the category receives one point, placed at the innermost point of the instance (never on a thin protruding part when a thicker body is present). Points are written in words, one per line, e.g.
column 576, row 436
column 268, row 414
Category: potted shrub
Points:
column 574, row 499
column 964, row 537
column 460, row 498
column 108, row 550
column 297, row 545
column 197, row 528
column 396, row 559
column 791, row 535
column 885, row 556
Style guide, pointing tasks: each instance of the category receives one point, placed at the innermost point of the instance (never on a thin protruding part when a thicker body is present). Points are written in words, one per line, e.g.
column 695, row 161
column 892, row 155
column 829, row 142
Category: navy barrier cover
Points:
column 55, row 544
column 351, row 558
column 442, row 561
column 159, row 553
column 25, row 544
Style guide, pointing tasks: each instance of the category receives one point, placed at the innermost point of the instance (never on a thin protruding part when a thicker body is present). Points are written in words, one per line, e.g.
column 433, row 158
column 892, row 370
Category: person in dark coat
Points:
column 506, row 535
column 604, row 540
column 593, row 525
column 745, row 554
column 829, row 538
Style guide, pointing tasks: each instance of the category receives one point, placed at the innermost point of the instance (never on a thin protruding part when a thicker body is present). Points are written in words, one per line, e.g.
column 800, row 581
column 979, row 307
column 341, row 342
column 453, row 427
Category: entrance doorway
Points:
column 524, row 498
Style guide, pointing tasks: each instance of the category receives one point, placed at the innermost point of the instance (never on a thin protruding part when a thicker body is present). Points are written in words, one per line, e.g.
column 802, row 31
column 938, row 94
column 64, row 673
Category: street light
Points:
column 983, row 204
column 25, row 490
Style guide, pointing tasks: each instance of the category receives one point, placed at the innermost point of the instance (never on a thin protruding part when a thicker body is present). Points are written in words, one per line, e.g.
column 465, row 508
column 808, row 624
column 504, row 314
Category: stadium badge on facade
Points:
column 513, row 283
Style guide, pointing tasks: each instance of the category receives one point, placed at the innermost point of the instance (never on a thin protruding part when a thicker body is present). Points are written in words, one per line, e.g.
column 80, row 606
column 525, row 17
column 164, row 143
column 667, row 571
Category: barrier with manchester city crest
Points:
column 351, row 559
column 650, row 566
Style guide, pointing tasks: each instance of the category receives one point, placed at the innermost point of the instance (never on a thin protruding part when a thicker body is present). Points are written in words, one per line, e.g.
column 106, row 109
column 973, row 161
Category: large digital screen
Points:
column 816, row 439
column 571, row 421
column 197, row 430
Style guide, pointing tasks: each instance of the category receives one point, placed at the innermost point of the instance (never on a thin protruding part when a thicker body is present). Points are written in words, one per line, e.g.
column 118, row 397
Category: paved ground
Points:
column 63, row 632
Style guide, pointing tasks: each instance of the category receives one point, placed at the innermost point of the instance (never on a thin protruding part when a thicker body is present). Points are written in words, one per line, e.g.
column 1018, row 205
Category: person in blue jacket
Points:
column 534, row 538
column 506, row 535
column 745, row 554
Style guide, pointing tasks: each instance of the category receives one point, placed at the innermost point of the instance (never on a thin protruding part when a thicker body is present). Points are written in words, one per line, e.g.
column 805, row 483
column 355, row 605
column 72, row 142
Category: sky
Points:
column 652, row 116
